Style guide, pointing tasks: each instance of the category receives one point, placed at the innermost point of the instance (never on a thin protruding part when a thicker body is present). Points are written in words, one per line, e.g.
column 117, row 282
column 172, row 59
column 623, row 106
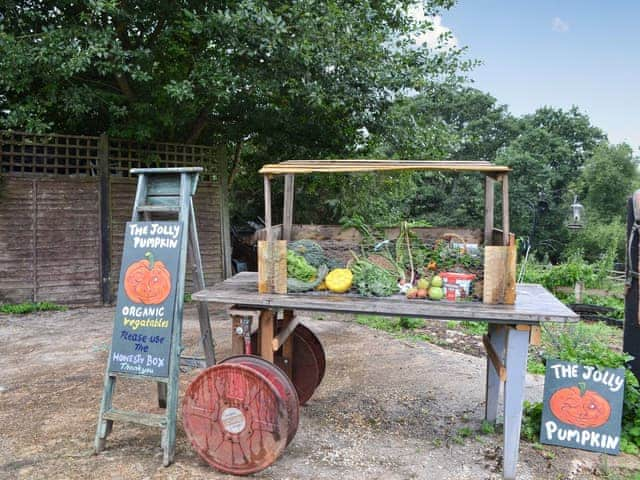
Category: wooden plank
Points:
column 237, row 342
column 105, row 219
column 272, row 266
column 516, row 361
column 488, row 210
column 505, row 207
column 533, row 305
column 287, row 217
column 284, row 334
column 536, row 336
column 335, row 166
column 495, row 358
column 287, row 347
column 149, row 419
column 499, row 284
column 222, row 196
column 265, row 335
column 497, row 336
column 267, row 206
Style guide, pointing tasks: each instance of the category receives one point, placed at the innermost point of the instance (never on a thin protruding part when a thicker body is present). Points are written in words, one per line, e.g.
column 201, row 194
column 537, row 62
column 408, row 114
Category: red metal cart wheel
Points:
column 280, row 380
column 235, row 418
column 315, row 343
column 306, row 366
column 308, row 362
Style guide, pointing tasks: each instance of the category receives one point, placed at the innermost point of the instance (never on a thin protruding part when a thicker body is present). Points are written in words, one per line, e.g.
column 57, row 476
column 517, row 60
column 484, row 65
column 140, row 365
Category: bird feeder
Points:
column 576, row 220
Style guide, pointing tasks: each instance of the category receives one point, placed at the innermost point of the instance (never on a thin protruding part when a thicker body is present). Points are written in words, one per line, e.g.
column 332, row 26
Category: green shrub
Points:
column 29, row 307
column 597, row 239
column 567, row 274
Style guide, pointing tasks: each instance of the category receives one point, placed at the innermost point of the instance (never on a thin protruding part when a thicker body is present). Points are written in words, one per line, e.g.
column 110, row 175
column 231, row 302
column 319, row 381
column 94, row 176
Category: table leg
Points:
column 287, row 348
column 496, row 335
column 516, row 364
column 266, row 333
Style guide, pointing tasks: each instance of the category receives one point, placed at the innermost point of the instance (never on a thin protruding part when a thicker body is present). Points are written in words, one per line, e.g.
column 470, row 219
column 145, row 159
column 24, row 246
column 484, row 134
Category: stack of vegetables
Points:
column 405, row 265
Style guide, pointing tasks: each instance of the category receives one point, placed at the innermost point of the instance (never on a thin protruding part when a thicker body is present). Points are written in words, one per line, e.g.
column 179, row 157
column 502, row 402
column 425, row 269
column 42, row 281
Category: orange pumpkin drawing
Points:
column 580, row 407
column 147, row 281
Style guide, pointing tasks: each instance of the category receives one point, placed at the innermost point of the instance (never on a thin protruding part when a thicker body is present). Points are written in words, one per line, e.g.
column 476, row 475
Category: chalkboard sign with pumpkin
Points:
column 582, row 406
column 141, row 341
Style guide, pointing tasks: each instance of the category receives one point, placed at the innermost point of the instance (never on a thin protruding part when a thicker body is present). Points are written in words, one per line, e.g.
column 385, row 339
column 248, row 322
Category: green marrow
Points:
column 296, row 286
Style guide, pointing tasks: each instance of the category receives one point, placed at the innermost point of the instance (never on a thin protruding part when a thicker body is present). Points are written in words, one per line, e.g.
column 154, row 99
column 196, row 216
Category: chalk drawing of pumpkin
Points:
column 147, row 281
column 580, row 407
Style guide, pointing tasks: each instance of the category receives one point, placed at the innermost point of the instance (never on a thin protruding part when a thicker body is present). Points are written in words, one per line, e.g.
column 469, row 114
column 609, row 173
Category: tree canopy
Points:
column 296, row 77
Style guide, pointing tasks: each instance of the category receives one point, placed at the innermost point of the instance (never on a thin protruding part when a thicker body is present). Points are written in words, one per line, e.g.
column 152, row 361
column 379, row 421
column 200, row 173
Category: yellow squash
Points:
column 339, row 280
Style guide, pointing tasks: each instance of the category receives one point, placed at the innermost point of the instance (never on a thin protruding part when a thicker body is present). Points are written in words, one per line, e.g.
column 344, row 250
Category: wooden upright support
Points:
column 488, row 209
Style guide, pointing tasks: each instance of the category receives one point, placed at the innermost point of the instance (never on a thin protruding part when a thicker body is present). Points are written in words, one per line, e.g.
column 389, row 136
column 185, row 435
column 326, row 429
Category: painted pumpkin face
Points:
column 147, row 281
column 583, row 409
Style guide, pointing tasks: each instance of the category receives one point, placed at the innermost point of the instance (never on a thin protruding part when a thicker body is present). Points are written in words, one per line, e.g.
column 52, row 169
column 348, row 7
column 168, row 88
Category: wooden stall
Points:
column 261, row 298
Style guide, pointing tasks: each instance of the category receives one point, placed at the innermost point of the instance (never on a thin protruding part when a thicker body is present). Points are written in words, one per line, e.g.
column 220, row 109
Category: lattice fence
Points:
column 55, row 154
column 64, row 201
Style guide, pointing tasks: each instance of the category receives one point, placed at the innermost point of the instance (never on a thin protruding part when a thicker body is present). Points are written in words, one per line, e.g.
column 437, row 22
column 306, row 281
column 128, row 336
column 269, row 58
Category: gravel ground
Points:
column 387, row 409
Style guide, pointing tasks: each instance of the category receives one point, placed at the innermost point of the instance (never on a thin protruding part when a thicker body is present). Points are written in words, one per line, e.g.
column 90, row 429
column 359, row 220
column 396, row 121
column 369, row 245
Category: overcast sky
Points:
column 558, row 53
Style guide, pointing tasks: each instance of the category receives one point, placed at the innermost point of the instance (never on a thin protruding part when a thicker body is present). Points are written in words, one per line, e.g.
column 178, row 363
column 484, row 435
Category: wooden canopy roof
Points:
column 344, row 166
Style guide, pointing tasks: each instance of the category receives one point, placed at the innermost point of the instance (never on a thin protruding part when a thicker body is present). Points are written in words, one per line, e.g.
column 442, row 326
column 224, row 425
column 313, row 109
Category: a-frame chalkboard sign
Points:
column 147, row 332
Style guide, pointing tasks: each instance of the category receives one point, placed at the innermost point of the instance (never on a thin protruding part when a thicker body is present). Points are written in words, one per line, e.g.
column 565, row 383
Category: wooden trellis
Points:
column 55, row 186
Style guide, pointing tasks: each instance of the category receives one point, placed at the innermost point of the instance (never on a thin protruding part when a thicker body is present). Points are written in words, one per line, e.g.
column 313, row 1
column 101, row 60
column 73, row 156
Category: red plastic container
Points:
column 459, row 284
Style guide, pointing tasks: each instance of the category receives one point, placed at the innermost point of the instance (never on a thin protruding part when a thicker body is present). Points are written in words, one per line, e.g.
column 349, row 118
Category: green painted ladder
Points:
column 163, row 193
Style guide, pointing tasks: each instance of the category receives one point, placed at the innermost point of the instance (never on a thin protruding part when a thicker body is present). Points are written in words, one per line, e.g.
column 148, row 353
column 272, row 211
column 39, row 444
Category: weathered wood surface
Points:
column 50, row 240
column 272, row 266
column 338, row 166
column 533, row 305
column 50, row 237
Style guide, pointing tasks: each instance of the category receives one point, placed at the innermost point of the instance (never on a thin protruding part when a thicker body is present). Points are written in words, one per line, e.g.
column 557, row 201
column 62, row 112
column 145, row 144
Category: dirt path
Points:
column 387, row 409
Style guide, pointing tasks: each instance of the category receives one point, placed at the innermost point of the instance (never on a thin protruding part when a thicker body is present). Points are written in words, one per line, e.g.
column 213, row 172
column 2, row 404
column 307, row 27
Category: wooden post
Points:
column 266, row 333
column 287, row 347
column 516, row 363
column 105, row 218
column 267, row 207
column 497, row 337
column 225, row 227
column 237, row 342
column 505, row 209
column 488, row 210
column 287, row 217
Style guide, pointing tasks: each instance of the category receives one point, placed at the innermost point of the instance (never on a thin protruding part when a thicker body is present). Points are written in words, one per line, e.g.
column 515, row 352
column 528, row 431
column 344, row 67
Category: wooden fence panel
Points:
column 17, row 240
column 62, row 229
column 68, row 240
column 207, row 206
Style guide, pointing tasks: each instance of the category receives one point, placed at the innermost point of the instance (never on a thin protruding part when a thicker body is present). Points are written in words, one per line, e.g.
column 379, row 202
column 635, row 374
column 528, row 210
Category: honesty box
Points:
column 582, row 406
column 143, row 324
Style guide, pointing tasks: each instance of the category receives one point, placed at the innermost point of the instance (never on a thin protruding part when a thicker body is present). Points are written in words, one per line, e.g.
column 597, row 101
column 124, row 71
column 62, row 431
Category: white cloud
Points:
column 559, row 25
column 438, row 35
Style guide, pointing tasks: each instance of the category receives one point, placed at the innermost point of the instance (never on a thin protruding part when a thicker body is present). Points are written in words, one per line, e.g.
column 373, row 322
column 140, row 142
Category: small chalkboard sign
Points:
column 141, row 341
column 582, row 407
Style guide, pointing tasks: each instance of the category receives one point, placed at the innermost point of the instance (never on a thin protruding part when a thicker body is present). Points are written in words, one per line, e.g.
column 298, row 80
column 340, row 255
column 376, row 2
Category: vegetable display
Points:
column 371, row 280
column 296, row 286
column 298, row 268
column 339, row 280
column 407, row 264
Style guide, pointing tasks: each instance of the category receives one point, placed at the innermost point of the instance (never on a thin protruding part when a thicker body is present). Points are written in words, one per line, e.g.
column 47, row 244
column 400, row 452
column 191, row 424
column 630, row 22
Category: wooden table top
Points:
column 534, row 304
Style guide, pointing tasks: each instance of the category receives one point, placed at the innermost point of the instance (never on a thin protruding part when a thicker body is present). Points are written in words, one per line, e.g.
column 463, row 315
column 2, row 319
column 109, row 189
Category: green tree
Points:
column 292, row 78
column 546, row 158
column 608, row 178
